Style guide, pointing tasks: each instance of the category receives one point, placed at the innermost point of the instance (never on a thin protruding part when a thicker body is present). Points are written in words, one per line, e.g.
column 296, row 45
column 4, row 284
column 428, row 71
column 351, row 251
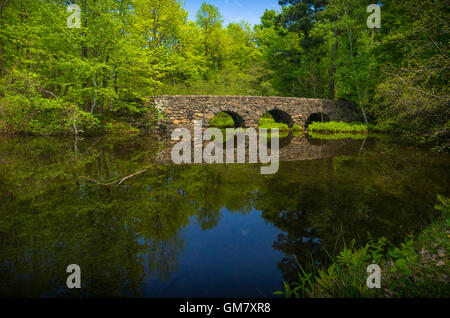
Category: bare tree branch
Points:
column 117, row 182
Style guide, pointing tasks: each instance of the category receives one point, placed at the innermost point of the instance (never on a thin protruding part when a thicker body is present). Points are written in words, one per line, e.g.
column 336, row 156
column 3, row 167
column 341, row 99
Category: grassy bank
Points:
column 339, row 130
column 222, row 121
column 267, row 121
column 339, row 127
column 417, row 268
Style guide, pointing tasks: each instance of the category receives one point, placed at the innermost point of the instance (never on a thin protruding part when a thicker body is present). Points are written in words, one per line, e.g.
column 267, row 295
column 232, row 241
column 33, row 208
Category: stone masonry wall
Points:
column 181, row 111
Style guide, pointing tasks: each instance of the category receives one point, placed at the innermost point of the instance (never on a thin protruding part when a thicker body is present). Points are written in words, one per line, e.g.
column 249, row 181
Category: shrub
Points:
column 332, row 126
column 222, row 120
column 42, row 116
column 268, row 122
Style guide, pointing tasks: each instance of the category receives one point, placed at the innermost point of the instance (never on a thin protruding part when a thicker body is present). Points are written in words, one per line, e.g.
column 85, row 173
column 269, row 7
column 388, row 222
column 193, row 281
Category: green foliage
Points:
column 413, row 89
column 339, row 127
column 42, row 116
column 345, row 277
column 384, row 127
column 444, row 207
column 222, row 120
column 398, row 74
column 117, row 127
column 411, row 270
column 128, row 50
column 267, row 121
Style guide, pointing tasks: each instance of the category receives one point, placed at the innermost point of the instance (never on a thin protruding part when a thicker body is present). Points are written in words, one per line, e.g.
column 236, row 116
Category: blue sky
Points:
column 235, row 10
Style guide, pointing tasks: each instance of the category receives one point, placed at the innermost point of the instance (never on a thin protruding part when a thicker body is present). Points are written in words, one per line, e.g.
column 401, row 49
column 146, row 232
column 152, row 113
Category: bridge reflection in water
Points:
column 291, row 148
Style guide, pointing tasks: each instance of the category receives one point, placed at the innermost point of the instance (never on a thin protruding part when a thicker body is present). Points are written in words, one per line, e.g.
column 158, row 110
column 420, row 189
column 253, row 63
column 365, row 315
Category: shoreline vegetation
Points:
column 317, row 130
column 419, row 267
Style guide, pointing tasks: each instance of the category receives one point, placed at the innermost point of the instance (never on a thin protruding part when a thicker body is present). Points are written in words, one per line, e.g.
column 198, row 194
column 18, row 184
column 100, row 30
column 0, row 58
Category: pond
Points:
column 198, row 230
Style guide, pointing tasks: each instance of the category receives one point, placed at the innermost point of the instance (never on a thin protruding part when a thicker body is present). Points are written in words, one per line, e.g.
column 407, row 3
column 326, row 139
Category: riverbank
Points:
column 316, row 130
column 417, row 268
column 108, row 128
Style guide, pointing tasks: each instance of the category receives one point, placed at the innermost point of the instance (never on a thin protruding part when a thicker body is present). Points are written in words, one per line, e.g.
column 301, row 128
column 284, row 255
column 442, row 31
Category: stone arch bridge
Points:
column 181, row 111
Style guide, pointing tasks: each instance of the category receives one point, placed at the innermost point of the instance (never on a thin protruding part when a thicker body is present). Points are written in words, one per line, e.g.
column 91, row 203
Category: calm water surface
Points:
column 197, row 230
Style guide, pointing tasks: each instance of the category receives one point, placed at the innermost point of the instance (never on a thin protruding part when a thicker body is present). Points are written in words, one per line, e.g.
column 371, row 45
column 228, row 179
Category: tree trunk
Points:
column 332, row 93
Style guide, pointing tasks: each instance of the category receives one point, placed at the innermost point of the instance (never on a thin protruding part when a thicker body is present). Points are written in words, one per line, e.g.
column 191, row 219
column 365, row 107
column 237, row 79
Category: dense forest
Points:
column 56, row 79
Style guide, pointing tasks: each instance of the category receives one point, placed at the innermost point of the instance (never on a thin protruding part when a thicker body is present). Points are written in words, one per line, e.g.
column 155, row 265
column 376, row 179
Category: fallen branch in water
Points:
column 116, row 182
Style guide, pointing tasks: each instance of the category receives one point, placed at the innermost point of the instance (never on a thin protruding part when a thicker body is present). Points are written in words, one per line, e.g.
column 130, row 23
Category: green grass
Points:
column 270, row 123
column 267, row 122
column 417, row 268
column 221, row 121
column 339, row 127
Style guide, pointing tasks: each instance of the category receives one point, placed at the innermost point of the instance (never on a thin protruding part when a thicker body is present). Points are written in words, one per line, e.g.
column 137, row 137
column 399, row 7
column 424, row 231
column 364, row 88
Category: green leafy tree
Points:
column 210, row 21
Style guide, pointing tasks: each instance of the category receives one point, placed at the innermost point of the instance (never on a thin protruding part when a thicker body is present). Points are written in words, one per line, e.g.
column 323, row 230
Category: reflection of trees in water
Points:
column 208, row 218
column 53, row 218
column 50, row 218
column 319, row 204
column 163, row 256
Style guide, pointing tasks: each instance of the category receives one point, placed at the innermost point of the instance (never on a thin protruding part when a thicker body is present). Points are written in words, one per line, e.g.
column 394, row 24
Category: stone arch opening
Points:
column 227, row 119
column 280, row 116
column 317, row 117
